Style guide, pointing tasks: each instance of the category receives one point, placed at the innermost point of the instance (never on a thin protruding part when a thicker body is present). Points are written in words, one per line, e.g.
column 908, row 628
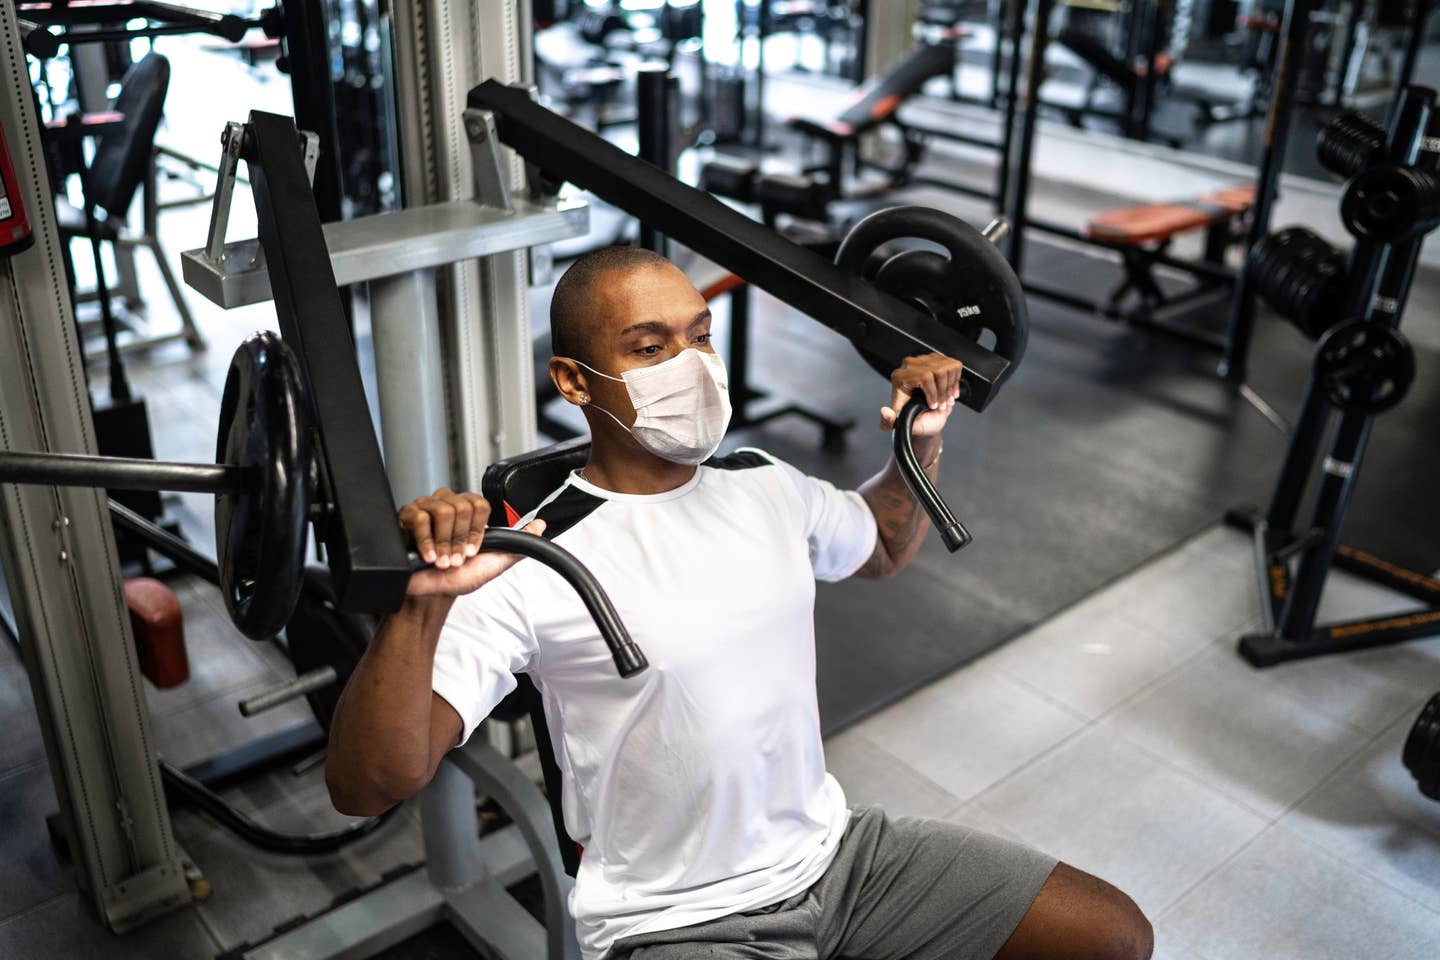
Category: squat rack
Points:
column 1233, row 345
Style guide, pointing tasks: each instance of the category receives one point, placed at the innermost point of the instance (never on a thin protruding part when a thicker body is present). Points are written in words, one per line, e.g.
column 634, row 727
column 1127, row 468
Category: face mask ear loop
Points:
column 593, row 370
column 610, row 415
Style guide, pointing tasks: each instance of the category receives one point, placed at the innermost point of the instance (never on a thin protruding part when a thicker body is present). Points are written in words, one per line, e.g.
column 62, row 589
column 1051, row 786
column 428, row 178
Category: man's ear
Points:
column 569, row 380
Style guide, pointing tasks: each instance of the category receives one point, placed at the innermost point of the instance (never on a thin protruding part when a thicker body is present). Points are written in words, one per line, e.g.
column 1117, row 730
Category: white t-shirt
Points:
column 697, row 788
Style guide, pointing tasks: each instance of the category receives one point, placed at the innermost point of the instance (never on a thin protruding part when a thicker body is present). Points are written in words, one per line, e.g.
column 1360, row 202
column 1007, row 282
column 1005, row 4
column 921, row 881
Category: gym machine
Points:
column 1141, row 251
column 1363, row 367
column 279, row 472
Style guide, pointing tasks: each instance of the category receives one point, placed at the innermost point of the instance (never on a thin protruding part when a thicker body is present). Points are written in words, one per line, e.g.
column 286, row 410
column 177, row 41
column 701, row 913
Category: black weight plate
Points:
column 1364, row 367
column 1421, row 754
column 970, row 290
column 265, row 427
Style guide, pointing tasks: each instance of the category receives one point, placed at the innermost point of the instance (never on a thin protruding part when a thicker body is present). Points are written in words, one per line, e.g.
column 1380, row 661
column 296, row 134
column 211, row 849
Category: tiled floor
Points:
column 1250, row 814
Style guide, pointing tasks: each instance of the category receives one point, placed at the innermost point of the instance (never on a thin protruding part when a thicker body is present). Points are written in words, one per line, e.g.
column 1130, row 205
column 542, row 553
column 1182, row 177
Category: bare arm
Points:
column 390, row 730
column 900, row 522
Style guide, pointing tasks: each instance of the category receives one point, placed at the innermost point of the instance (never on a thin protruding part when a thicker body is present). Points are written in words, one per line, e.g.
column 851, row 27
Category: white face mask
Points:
column 682, row 406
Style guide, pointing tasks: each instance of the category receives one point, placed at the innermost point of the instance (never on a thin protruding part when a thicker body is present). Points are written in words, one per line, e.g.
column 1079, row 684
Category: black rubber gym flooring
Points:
column 1109, row 446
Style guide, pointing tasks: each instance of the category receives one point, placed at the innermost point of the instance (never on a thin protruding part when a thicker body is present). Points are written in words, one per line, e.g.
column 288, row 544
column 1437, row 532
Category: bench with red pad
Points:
column 1143, row 233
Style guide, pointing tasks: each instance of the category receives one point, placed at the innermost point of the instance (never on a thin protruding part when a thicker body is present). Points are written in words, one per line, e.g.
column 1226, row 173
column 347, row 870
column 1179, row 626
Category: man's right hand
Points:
column 447, row 529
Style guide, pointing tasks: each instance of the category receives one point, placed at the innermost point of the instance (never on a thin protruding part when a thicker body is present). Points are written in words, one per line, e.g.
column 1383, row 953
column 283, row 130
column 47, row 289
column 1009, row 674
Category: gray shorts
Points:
column 909, row 888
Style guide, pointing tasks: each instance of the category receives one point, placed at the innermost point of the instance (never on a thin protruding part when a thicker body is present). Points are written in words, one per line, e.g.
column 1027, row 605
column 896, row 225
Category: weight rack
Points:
column 1362, row 368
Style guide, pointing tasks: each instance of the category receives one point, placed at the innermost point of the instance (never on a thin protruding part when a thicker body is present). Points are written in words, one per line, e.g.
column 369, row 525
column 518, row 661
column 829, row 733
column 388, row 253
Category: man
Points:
column 697, row 789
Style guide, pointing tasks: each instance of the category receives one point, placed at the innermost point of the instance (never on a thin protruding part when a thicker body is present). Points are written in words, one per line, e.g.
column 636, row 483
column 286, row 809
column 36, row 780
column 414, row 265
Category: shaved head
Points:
column 573, row 319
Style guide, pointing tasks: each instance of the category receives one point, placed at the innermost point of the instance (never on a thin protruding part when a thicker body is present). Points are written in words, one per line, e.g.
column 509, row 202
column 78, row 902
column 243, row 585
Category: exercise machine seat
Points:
column 123, row 151
column 514, row 487
column 1154, row 222
column 878, row 100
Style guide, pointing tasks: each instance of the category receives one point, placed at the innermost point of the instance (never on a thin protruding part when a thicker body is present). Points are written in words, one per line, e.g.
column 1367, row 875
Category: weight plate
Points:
column 1364, row 367
column 1391, row 203
column 970, row 288
column 260, row 535
column 1421, row 754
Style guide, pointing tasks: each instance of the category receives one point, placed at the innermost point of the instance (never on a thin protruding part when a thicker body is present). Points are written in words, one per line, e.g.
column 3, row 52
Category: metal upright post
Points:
column 1020, row 180
column 1420, row 11
column 1014, row 27
column 999, row 15
column 762, row 30
column 1277, row 134
column 655, row 88
column 57, row 551
column 1151, row 23
column 307, row 55
column 1347, row 50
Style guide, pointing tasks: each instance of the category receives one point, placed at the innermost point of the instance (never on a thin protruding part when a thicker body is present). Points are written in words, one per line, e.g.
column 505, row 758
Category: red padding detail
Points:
column 1163, row 63
column 1149, row 222
column 722, row 286
column 1259, row 24
column 511, row 517
column 881, row 109
column 159, row 627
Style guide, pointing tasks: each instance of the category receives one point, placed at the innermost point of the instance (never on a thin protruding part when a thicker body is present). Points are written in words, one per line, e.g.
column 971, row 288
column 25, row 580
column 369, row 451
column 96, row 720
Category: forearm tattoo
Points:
column 899, row 520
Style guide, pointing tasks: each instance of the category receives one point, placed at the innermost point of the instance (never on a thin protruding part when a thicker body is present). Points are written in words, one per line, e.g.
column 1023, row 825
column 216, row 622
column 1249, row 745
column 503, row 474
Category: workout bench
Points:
column 1142, row 235
column 807, row 194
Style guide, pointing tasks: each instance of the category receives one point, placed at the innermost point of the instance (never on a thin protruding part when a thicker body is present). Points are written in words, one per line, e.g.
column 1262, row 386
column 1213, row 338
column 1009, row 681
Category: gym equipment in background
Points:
column 808, row 193
column 1362, row 367
column 1141, row 234
column 1421, row 755
column 123, row 165
column 118, row 21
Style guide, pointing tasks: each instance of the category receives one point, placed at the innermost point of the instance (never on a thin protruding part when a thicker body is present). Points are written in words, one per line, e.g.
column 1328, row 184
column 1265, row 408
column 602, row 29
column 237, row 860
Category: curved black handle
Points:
column 952, row 531
column 629, row 659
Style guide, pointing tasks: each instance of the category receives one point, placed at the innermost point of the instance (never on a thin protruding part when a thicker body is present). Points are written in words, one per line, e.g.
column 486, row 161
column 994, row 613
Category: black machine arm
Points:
column 627, row 656
column 891, row 299
column 117, row 21
column 879, row 324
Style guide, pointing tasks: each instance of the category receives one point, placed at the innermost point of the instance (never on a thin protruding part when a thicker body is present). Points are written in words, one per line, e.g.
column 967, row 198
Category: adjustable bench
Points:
column 808, row 193
column 1142, row 235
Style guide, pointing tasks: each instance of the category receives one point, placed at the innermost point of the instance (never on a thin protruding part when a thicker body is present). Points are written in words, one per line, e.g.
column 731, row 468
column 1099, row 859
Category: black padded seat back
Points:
column 902, row 81
column 514, row 487
column 1094, row 52
column 122, row 155
column 517, row 485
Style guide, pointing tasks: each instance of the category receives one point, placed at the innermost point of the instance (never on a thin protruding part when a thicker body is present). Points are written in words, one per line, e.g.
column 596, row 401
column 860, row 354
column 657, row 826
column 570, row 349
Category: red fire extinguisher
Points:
column 15, row 232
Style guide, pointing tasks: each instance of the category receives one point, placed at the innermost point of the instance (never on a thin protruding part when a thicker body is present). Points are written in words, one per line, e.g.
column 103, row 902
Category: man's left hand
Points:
column 939, row 377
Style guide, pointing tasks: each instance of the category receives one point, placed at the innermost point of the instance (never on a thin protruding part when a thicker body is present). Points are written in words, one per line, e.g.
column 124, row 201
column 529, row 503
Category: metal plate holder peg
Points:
column 486, row 164
column 232, row 143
